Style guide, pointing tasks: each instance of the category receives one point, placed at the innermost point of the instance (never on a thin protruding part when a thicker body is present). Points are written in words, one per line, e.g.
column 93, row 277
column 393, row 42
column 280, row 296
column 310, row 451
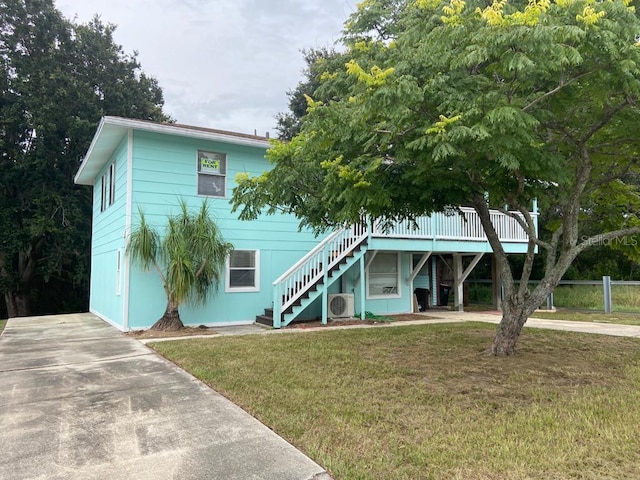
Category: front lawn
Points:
column 426, row 402
column 2, row 324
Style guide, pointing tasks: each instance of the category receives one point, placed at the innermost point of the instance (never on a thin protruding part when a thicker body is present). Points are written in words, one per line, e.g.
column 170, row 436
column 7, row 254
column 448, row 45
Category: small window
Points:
column 103, row 196
column 112, row 183
column 108, row 188
column 212, row 174
column 383, row 276
column 243, row 272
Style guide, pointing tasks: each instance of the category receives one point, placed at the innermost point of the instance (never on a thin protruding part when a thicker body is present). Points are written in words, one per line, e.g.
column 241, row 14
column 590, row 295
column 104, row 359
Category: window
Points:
column 108, row 188
column 103, row 197
column 112, row 183
column 243, row 272
column 383, row 276
column 212, row 174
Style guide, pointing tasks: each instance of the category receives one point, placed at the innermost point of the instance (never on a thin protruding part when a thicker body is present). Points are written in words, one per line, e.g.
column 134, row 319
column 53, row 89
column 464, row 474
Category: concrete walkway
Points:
column 80, row 400
column 430, row 317
column 612, row 329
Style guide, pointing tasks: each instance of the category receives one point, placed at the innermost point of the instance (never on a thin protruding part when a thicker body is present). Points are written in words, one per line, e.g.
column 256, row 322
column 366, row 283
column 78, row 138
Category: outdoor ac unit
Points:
column 341, row 305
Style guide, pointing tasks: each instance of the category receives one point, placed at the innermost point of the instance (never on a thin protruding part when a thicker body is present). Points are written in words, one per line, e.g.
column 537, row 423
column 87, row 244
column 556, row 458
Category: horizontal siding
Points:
column 383, row 306
column 165, row 169
column 108, row 236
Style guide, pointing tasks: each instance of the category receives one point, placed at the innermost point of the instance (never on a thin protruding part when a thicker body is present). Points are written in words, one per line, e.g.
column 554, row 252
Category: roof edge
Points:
column 188, row 130
column 85, row 160
column 166, row 129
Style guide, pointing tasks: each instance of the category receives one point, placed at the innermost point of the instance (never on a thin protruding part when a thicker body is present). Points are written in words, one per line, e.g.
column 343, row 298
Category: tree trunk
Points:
column 170, row 321
column 504, row 342
column 515, row 312
column 18, row 304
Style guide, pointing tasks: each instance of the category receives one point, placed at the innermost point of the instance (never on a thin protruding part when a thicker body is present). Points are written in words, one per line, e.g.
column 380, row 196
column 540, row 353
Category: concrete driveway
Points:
column 80, row 400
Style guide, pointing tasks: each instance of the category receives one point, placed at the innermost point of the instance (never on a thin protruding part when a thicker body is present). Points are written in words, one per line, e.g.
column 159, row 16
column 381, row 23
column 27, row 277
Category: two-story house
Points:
column 292, row 274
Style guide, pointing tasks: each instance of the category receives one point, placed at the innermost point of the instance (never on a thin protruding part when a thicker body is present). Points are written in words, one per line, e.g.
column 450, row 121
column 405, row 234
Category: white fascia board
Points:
column 86, row 158
column 186, row 131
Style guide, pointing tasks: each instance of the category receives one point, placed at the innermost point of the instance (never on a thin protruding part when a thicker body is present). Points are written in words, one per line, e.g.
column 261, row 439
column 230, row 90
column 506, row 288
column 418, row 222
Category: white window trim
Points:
column 398, row 294
column 256, row 288
column 223, row 175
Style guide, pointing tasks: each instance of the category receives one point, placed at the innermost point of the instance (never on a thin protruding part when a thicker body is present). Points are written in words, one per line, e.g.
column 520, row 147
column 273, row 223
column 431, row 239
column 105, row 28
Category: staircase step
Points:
column 264, row 320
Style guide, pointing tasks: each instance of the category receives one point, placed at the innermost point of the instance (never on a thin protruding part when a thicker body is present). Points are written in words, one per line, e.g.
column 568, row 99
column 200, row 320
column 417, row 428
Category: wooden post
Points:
column 458, row 282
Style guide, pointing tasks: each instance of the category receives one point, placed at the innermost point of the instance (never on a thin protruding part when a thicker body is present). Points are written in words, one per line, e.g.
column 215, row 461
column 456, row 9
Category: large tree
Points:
column 189, row 259
column 489, row 105
column 58, row 78
column 319, row 61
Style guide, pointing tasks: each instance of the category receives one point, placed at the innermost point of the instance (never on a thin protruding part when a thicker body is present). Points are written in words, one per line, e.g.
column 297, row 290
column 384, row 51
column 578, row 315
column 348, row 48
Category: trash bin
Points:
column 422, row 296
column 443, row 298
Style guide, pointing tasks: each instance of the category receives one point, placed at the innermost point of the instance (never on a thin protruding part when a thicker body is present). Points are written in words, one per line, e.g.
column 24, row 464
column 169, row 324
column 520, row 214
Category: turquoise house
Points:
column 277, row 274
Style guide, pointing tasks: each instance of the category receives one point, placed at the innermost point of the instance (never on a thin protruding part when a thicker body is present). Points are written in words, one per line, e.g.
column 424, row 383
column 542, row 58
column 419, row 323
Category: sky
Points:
column 224, row 64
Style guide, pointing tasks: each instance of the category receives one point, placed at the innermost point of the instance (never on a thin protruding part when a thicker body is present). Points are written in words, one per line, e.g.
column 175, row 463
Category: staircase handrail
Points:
column 309, row 255
column 311, row 268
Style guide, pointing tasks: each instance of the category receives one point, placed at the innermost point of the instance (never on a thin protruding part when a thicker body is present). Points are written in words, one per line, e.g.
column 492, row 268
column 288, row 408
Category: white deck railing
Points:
column 464, row 227
column 316, row 264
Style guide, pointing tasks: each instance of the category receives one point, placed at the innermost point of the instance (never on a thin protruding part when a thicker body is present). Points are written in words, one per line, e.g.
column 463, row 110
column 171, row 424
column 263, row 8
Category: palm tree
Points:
column 189, row 259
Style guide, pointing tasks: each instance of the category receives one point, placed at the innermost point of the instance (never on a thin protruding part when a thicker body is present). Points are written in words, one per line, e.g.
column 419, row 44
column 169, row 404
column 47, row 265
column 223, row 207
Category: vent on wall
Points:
column 340, row 305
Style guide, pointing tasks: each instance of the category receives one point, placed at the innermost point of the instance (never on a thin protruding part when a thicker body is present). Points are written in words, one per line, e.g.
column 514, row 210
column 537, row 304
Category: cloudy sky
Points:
column 223, row 64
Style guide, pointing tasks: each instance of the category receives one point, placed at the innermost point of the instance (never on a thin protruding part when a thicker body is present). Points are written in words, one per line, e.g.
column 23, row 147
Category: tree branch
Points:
column 606, row 118
column 556, row 90
column 604, row 179
column 603, row 237
column 526, row 223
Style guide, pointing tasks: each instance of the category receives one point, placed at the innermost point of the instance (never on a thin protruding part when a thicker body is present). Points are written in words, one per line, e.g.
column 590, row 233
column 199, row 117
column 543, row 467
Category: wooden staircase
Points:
column 303, row 283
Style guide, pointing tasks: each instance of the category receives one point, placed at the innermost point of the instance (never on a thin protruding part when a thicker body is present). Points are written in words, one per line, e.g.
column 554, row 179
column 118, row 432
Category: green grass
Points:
column 427, row 402
column 2, row 324
column 618, row 318
column 625, row 298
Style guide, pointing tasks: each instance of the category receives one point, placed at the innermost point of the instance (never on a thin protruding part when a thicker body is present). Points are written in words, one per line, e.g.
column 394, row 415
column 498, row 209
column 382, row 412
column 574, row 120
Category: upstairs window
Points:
column 103, row 196
column 212, row 174
column 112, row 183
column 108, row 188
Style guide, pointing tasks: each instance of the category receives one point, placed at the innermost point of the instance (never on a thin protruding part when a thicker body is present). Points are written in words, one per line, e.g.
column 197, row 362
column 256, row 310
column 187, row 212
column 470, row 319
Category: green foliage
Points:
column 321, row 67
column 58, row 79
column 429, row 113
column 189, row 258
column 144, row 243
column 449, row 102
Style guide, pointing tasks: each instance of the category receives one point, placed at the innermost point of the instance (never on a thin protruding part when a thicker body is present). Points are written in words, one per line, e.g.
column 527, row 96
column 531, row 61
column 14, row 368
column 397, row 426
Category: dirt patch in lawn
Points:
column 183, row 332
column 336, row 322
column 377, row 320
